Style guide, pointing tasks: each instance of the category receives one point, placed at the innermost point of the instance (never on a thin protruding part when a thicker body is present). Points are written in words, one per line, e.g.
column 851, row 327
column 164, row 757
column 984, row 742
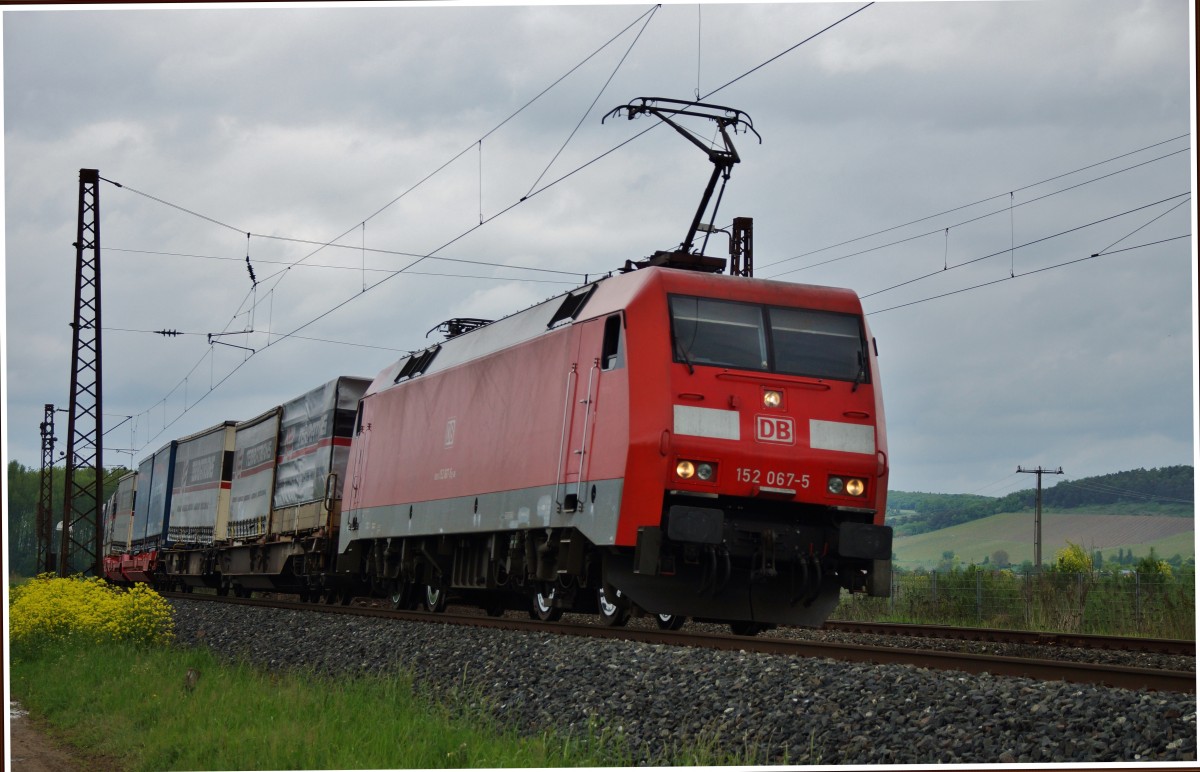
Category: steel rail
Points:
column 1143, row 679
column 1173, row 646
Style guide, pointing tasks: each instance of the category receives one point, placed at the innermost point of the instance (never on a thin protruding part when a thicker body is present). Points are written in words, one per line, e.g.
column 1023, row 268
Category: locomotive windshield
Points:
column 748, row 336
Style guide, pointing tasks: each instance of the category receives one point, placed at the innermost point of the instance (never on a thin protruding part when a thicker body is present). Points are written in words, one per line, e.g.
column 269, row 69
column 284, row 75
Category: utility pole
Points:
column 83, row 503
column 45, row 505
column 1037, row 512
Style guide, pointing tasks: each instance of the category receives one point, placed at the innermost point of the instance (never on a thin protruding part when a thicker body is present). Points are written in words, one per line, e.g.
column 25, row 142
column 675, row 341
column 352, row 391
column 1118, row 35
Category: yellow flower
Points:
column 91, row 610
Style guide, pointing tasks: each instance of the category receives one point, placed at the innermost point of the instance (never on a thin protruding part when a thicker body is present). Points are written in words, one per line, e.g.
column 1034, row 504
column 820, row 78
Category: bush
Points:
column 50, row 609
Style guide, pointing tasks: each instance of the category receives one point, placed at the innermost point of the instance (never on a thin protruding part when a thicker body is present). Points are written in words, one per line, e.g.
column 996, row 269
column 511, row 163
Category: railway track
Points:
column 1171, row 646
column 1146, row 679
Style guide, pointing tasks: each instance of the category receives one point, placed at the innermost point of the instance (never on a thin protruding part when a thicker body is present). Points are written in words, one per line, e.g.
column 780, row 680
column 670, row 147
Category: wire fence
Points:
column 1128, row 603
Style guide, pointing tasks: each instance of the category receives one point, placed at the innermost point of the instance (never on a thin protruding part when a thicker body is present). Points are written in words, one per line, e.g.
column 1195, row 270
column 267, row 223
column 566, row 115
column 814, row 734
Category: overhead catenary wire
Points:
column 1022, row 246
column 1026, row 273
column 970, row 220
column 480, row 263
column 316, row 340
column 588, row 111
column 959, row 208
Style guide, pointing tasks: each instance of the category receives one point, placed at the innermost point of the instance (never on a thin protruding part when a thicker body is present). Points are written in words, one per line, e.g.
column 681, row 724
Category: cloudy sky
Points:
column 957, row 164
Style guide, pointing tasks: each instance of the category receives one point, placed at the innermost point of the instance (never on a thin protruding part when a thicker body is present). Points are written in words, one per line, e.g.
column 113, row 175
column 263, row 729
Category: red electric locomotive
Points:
column 695, row 444
column 672, row 439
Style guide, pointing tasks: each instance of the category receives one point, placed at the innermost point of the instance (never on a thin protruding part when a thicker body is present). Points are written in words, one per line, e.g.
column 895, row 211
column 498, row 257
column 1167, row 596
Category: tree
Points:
column 1152, row 565
column 1072, row 559
column 24, row 487
column 1000, row 559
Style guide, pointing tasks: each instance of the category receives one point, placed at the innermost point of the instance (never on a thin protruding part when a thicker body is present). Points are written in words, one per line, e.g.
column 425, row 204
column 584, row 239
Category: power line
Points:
column 1096, row 487
column 783, row 53
column 1022, row 246
column 1027, row 273
column 588, row 111
column 1004, row 210
column 257, row 332
column 481, row 263
column 989, row 198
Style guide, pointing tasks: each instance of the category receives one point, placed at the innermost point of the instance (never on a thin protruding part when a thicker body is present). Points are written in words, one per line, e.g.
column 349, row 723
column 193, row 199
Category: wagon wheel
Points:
column 495, row 606
column 614, row 612
column 746, row 627
column 670, row 621
column 543, row 604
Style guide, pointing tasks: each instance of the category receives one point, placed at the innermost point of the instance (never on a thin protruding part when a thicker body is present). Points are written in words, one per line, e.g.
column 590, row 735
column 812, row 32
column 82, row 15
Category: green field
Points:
column 1013, row 533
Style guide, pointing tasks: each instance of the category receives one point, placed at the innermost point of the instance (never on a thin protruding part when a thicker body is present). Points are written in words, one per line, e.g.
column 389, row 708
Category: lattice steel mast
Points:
column 45, row 504
column 83, row 503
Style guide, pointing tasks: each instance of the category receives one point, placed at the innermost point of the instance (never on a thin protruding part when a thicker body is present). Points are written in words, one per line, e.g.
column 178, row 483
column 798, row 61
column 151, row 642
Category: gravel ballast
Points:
column 766, row 708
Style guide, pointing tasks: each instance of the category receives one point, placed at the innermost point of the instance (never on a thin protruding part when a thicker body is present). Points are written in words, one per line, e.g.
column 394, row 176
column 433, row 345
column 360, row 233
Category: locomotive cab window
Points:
column 818, row 343
column 747, row 336
column 718, row 332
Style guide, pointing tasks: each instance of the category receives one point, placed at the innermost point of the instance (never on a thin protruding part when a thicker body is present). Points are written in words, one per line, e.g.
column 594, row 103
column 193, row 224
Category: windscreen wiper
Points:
column 687, row 360
column 862, row 372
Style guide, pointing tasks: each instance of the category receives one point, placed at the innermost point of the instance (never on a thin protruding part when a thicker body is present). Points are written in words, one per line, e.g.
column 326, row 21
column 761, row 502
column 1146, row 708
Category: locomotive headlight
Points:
column 836, row 485
column 772, row 398
column 685, row 469
column 705, row 471
column 855, row 487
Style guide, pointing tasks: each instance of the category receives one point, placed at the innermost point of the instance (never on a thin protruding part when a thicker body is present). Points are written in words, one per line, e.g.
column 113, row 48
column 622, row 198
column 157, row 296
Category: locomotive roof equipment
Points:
column 726, row 118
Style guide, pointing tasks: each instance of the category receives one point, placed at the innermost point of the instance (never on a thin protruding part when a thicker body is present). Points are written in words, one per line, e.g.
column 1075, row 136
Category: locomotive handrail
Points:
column 583, row 438
column 562, row 443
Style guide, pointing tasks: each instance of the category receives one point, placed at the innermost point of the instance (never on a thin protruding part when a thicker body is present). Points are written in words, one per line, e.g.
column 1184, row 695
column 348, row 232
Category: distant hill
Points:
column 1007, row 539
column 1165, row 492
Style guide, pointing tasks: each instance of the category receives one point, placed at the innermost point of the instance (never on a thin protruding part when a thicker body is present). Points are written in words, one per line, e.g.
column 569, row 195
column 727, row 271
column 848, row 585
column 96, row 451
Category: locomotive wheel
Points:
column 543, row 605
column 614, row 613
column 742, row 627
column 403, row 596
column 435, row 599
column 670, row 621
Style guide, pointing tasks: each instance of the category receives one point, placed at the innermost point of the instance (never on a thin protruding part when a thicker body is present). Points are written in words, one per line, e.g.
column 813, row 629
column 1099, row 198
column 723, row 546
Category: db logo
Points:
column 773, row 428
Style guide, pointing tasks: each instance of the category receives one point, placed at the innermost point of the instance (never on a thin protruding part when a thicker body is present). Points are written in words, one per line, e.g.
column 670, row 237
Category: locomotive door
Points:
column 582, row 410
column 357, row 465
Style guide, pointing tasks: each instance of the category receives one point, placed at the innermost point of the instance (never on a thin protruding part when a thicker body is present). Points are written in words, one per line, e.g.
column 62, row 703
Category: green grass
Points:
column 130, row 707
column 132, row 704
